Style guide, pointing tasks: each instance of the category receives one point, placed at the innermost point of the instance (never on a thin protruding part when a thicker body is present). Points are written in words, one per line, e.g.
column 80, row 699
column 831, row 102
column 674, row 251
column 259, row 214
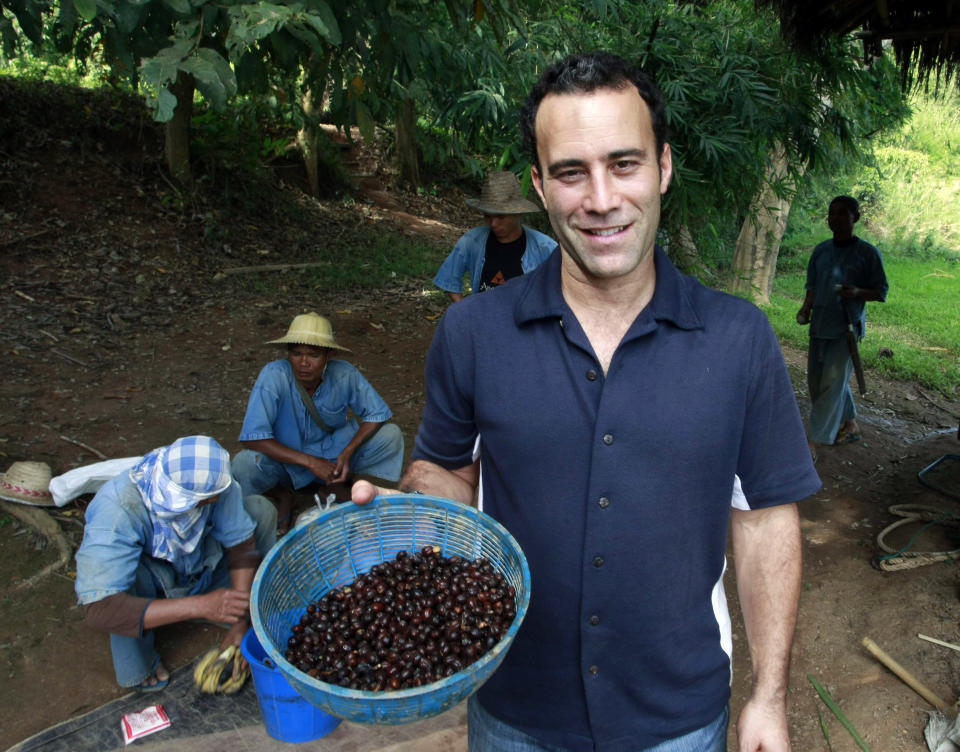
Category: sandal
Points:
column 843, row 437
column 154, row 683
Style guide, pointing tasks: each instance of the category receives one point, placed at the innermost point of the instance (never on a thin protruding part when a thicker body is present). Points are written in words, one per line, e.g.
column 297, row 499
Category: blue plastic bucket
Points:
column 287, row 716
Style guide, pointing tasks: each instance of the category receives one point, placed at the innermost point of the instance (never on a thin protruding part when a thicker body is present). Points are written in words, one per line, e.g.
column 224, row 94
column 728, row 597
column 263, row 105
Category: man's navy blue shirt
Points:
column 618, row 488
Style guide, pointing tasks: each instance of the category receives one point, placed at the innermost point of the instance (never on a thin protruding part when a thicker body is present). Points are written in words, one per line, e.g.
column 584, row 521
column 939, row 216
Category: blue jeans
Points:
column 381, row 456
column 135, row 658
column 487, row 734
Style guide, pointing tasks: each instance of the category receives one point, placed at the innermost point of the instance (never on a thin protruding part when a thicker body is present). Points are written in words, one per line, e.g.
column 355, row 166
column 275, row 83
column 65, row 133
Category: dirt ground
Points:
column 121, row 333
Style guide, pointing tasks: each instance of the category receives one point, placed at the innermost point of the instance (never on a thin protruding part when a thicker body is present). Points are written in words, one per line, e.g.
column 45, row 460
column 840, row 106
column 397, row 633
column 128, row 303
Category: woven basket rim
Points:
column 367, row 510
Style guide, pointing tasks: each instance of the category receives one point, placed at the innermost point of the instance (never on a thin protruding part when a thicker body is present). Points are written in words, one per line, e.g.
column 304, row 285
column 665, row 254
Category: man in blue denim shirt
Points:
column 286, row 447
column 171, row 540
column 500, row 251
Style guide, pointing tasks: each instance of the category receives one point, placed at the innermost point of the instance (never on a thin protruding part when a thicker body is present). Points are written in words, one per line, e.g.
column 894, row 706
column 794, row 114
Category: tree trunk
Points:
column 307, row 138
column 406, row 142
column 684, row 252
column 177, row 130
column 755, row 259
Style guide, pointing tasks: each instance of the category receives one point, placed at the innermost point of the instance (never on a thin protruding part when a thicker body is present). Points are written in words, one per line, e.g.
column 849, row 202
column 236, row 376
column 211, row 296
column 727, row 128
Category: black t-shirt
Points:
column 501, row 261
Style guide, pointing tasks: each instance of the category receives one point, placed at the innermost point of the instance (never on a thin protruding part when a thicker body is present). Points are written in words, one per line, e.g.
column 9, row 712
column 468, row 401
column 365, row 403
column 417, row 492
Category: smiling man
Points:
column 298, row 432
column 637, row 417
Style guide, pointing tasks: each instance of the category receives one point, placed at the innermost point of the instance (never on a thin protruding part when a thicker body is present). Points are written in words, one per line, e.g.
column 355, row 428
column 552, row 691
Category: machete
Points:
column 853, row 347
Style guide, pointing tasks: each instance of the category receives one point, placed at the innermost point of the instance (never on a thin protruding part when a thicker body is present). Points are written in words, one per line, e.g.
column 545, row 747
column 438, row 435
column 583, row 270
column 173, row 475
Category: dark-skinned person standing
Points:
column 593, row 407
column 842, row 275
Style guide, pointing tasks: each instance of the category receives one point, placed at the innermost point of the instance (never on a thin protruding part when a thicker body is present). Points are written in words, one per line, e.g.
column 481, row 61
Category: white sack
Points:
column 87, row 479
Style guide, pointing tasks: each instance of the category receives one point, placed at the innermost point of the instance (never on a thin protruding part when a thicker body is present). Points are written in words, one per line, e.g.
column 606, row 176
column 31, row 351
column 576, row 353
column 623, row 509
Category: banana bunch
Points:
column 208, row 674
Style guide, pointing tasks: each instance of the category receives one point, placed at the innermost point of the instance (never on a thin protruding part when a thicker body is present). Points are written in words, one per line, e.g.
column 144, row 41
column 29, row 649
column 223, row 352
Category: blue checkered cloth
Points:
column 172, row 481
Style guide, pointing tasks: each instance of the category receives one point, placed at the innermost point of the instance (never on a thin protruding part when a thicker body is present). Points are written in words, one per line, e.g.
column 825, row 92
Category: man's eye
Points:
column 624, row 165
column 569, row 175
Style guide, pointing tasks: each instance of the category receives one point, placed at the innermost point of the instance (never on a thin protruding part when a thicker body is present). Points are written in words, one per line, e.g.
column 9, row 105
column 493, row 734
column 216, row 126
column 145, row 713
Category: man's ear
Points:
column 537, row 181
column 666, row 168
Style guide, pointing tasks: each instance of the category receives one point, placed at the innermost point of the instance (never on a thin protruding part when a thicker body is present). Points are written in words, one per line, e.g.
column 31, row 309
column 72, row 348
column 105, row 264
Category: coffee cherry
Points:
column 407, row 622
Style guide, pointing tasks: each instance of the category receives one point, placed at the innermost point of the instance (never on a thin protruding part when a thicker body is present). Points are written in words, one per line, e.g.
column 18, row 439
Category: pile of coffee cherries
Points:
column 407, row 622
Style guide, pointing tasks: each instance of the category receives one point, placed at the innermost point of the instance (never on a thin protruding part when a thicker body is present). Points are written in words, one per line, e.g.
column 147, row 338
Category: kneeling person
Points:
column 170, row 540
column 297, row 431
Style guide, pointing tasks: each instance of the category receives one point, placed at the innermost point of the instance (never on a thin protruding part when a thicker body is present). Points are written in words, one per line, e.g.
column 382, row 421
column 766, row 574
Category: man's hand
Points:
column 226, row 605
column 235, row 634
column 363, row 492
column 803, row 316
column 322, row 468
column 342, row 469
column 849, row 291
column 762, row 727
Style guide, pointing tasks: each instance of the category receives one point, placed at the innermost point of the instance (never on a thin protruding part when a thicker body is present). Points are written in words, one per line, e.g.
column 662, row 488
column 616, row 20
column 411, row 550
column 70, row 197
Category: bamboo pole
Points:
column 910, row 680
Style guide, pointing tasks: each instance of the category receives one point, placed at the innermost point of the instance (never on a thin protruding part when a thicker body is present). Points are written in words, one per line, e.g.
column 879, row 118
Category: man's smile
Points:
column 604, row 231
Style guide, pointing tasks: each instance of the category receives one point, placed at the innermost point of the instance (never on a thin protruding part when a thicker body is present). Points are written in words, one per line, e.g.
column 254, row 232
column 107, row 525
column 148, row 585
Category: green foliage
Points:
column 907, row 186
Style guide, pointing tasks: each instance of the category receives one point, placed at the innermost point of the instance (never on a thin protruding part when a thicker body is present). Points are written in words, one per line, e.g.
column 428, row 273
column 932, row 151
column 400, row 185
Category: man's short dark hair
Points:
column 586, row 73
column 851, row 203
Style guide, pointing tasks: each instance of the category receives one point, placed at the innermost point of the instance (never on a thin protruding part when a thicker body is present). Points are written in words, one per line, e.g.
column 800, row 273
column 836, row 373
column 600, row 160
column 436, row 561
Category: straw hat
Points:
column 309, row 329
column 501, row 194
column 27, row 483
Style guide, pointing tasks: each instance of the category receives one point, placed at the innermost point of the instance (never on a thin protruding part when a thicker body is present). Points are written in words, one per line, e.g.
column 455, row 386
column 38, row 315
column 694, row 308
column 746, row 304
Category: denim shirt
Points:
column 276, row 411
column 470, row 252
column 858, row 264
column 118, row 535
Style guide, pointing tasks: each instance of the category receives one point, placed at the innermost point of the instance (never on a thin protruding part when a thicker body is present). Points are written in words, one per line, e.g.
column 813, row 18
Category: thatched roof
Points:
column 925, row 34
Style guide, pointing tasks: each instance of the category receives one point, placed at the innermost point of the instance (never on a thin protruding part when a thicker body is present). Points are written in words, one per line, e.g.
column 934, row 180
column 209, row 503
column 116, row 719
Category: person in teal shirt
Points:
column 842, row 275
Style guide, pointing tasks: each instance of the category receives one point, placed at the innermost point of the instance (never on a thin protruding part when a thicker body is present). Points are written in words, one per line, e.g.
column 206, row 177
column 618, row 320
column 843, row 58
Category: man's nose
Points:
column 603, row 196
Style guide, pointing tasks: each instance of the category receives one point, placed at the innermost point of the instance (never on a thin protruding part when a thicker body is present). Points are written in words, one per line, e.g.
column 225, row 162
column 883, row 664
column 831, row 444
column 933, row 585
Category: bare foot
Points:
column 283, row 500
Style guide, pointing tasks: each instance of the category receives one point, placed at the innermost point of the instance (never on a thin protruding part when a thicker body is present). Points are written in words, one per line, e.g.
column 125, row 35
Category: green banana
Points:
column 239, row 676
column 201, row 667
column 208, row 673
column 211, row 679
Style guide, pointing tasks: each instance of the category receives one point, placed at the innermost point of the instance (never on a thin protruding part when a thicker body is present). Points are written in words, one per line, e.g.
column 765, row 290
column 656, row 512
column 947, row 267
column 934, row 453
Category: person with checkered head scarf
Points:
column 171, row 540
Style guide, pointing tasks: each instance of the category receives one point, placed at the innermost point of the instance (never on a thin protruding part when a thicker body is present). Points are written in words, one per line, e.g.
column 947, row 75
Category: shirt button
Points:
column 591, row 375
column 594, row 670
column 604, row 502
column 608, row 439
column 594, row 620
column 598, row 561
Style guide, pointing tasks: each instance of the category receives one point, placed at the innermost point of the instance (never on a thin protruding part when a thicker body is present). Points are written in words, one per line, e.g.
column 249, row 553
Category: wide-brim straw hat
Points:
column 27, row 483
column 309, row 329
column 501, row 194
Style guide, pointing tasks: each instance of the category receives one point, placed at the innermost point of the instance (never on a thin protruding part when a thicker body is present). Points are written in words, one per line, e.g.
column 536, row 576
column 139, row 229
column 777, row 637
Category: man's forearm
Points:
column 768, row 560
column 277, row 451
column 163, row 611
column 364, row 432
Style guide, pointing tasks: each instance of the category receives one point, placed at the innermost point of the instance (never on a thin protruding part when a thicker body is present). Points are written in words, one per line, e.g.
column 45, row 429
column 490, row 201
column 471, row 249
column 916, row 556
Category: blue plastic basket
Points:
column 347, row 541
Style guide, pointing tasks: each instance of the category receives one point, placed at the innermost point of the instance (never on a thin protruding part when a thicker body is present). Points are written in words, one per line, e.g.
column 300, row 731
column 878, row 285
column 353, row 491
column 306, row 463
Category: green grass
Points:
column 918, row 322
column 382, row 257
